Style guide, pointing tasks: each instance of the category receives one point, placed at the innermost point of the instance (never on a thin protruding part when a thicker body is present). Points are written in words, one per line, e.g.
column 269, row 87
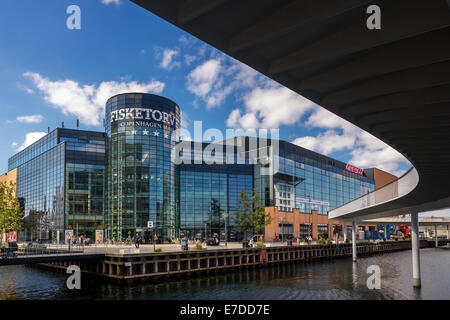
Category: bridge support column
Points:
column 354, row 241
column 385, row 232
column 448, row 235
column 345, row 233
column 436, row 236
column 415, row 246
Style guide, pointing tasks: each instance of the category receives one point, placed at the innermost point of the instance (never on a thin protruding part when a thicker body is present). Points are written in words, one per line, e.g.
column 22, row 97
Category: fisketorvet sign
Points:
column 144, row 117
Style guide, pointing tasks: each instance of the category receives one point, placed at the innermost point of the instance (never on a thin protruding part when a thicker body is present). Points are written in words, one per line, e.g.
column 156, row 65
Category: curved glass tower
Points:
column 140, row 173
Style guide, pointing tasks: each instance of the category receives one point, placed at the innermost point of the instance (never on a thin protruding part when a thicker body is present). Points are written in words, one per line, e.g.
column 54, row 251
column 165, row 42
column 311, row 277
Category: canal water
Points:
column 336, row 279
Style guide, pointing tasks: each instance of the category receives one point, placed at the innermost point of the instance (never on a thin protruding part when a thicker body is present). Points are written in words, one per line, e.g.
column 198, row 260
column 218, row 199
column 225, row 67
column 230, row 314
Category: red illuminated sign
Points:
column 354, row 169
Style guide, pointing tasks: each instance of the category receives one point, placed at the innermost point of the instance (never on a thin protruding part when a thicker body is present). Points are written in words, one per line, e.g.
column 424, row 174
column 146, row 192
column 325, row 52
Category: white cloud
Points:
column 110, row 88
column 249, row 121
column 366, row 151
column 276, row 106
column 267, row 104
column 30, row 138
column 201, row 51
column 185, row 120
column 167, row 59
column 87, row 102
column 14, row 144
column 116, row 2
column 385, row 158
column 326, row 142
column 126, row 77
column 187, row 40
column 323, row 118
column 188, row 59
column 398, row 172
column 233, row 118
column 203, row 79
column 246, row 77
column 268, row 107
column 369, row 141
column 218, row 77
column 25, row 88
column 35, row 118
column 183, row 40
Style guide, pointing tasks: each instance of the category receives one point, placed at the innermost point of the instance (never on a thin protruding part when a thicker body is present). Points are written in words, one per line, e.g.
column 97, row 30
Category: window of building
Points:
column 322, row 231
column 286, row 230
column 305, row 230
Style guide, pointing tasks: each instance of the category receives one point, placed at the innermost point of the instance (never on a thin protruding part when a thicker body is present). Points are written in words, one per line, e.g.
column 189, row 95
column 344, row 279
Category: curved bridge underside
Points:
column 393, row 83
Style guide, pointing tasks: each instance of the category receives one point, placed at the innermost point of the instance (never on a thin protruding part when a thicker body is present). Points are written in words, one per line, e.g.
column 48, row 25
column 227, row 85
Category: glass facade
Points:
column 303, row 179
column 208, row 189
column 140, row 173
column 309, row 181
column 40, row 186
column 84, row 181
column 61, row 187
column 46, row 143
column 207, row 193
column 119, row 180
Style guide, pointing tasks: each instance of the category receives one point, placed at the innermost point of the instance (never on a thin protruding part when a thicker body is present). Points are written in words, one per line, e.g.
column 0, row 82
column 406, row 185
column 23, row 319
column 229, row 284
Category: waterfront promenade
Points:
column 148, row 248
column 63, row 256
column 133, row 264
column 337, row 279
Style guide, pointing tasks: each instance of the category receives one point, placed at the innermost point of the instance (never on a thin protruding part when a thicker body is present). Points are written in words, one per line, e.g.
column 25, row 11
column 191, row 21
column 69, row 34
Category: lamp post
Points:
column 154, row 238
column 226, row 230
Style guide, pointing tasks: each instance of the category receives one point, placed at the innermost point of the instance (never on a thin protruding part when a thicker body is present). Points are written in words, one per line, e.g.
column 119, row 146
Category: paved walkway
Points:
column 148, row 248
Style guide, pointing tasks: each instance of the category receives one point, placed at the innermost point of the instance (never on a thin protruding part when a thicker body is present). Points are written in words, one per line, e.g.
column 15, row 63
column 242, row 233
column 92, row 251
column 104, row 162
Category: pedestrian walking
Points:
column 137, row 240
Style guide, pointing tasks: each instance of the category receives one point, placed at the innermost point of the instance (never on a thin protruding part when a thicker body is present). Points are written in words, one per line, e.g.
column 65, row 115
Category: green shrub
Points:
column 158, row 250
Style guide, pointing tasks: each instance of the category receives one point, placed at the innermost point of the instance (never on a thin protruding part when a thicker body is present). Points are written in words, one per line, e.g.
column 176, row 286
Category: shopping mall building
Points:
column 110, row 184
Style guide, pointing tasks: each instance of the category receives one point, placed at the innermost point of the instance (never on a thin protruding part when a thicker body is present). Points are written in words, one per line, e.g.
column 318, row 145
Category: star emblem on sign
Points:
column 156, row 133
column 145, row 132
column 133, row 131
column 166, row 136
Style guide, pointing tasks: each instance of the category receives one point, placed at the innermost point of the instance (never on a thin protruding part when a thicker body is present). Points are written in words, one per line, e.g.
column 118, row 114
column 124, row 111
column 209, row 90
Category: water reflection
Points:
column 339, row 279
column 354, row 275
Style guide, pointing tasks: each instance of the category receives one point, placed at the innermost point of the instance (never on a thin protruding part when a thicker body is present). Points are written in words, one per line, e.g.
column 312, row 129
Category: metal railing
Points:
column 394, row 190
column 15, row 251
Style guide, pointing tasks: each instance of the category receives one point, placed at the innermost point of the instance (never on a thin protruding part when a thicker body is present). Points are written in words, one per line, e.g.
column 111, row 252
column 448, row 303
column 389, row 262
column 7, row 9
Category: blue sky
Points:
column 52, row 74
